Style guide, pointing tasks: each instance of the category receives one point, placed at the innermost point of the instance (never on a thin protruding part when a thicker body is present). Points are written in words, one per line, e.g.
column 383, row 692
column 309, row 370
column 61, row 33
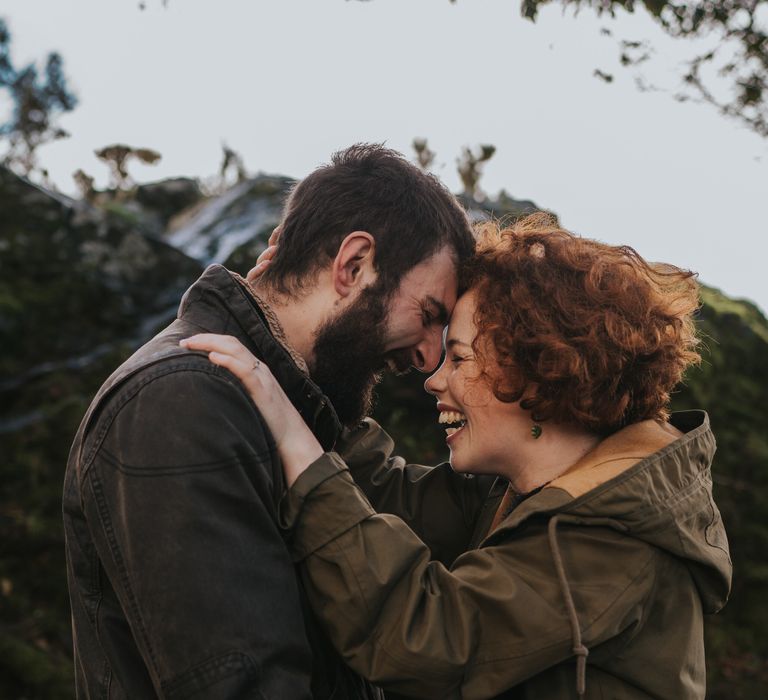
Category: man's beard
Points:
column 349, row 355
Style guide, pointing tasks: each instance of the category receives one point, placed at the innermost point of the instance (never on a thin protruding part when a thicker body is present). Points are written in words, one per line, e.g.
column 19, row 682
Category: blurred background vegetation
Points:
column 85, row 280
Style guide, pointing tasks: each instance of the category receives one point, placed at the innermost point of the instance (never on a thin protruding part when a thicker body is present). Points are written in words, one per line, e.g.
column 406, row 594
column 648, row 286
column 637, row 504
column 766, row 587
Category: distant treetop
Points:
column 37, row 103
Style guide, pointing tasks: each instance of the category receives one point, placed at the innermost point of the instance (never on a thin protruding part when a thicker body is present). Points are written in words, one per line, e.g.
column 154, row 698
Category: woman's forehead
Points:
column 462, row 325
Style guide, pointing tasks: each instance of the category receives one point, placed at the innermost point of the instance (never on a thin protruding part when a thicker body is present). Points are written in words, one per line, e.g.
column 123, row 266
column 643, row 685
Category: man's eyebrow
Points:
column 438, row 309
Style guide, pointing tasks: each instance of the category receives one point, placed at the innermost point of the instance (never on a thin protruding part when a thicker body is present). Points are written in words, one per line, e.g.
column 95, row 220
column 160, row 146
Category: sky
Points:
column 288, row 82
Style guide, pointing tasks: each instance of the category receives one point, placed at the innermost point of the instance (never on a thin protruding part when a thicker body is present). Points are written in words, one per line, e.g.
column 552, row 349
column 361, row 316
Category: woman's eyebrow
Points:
column 453, row 342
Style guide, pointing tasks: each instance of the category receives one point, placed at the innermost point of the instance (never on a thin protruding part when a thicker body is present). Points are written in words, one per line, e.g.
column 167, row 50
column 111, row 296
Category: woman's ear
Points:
column 353, row 267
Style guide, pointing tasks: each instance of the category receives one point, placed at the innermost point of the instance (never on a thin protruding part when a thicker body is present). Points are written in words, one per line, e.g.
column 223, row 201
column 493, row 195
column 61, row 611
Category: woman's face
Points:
column 481, row 431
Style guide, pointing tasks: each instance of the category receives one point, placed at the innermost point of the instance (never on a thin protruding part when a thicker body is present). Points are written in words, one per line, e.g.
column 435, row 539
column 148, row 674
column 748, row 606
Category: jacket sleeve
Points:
column 180, row 500
column 438, row 504
column 496, row 618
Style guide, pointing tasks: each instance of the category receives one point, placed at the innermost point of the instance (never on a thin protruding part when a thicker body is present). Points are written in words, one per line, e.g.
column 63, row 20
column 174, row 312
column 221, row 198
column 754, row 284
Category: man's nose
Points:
column 426, row 355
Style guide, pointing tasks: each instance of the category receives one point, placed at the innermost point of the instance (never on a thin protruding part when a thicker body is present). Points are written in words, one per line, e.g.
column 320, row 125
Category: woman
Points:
column 598, row 548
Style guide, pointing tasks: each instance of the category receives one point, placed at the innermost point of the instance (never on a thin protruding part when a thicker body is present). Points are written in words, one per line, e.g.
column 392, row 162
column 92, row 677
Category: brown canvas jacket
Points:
column 598, row 583
column 180, row 583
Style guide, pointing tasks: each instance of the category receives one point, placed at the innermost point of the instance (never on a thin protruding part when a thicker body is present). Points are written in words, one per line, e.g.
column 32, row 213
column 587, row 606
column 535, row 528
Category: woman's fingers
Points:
column 262, row 262
column 227, row 351
column 215, row 342
column 297, row 445
column 267, row 254
column 241, row 369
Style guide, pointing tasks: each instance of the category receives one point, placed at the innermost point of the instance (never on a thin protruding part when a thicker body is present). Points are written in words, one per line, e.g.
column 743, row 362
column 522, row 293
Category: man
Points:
column 180, row 583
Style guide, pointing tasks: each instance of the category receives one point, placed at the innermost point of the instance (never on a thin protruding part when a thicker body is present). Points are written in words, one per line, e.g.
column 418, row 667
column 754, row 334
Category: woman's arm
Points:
column 438, row 504
column 404, row 620
column 494, row 619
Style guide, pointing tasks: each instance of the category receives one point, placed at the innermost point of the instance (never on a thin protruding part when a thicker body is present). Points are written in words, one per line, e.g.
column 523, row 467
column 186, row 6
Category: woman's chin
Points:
column 458, row 464
column 457, row 458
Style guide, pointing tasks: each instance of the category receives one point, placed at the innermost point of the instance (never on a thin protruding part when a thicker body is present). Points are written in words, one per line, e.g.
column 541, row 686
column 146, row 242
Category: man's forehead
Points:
column 432, row 285
column 440, row 278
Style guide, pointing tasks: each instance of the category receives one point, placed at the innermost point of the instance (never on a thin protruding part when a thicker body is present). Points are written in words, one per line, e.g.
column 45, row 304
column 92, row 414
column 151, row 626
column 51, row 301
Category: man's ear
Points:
column 353, row 266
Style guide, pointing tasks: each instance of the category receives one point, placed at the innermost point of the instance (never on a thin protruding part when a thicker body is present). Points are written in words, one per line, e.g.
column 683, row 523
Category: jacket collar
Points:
column 218, row 303
column 663, row 499
column 667, row 456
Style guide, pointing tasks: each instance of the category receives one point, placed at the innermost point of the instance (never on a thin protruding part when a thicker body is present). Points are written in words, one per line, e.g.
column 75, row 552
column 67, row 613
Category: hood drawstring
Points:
column 580, row 651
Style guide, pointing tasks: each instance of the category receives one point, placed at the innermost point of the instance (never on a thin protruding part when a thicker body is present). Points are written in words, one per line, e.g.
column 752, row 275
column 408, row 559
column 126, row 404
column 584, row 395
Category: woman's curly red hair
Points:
column 580, row 332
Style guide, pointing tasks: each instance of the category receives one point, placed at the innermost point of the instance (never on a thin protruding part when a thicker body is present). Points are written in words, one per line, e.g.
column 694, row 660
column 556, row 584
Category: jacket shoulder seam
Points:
column 135, row 384
column 201, row 468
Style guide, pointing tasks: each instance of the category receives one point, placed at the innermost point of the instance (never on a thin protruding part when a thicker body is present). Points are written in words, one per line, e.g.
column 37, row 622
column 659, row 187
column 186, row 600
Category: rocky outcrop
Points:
column 166, row 198
column 234, row 225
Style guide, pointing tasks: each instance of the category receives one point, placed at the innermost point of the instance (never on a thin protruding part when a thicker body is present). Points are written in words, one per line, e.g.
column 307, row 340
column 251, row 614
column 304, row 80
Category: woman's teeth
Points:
column 454, row 421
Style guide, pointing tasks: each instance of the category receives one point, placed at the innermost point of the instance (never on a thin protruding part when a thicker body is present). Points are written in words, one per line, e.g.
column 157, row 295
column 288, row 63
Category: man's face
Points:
column 380, row 331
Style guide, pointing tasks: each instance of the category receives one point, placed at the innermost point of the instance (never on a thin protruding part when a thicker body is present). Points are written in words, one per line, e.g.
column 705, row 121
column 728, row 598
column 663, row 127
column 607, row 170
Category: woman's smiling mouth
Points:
column 453, row 420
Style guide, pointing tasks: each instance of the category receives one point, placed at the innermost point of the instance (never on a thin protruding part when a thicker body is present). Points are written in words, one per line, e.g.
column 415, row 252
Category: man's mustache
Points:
column 398, row 362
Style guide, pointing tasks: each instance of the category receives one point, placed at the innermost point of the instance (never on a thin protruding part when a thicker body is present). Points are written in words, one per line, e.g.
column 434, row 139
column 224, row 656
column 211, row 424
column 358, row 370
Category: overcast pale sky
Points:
column 287, row 82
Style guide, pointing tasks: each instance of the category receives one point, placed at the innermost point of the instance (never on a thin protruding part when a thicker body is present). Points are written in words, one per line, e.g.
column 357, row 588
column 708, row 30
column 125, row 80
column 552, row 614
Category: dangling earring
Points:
column 536, row 431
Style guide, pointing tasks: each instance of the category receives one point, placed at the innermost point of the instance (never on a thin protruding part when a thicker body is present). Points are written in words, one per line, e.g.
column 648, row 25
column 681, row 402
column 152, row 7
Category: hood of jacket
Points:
column 652, row 481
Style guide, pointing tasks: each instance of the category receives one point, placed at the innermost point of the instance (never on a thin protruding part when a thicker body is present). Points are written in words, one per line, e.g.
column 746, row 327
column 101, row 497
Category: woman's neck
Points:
column 539, row 461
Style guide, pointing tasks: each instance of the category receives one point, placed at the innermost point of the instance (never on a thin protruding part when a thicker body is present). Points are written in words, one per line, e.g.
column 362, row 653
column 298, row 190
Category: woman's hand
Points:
column 265, row 258
column 296, row 444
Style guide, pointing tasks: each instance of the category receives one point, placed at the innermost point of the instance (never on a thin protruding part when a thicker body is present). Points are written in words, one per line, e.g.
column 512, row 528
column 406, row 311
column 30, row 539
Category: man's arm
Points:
column 180, row 499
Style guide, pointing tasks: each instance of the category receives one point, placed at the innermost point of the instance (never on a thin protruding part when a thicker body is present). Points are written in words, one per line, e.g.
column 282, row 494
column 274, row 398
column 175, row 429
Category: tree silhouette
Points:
column 728, row 64
column 37, row 102
column 117, row 156
column 425, row 156
column 728, row 67
column 231, row 162
column 470, row 167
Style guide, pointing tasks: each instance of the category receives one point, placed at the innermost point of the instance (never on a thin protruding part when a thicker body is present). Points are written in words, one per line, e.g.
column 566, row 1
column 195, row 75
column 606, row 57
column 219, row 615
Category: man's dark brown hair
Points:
column 367, row 187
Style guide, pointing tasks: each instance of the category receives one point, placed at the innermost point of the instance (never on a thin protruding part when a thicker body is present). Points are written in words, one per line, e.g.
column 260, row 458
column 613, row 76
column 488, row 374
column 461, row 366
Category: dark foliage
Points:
column 37, row 102
column 729, row 67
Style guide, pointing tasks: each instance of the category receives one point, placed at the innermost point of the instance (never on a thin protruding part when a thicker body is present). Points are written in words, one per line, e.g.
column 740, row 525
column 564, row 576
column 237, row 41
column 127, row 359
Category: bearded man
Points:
column 180, row 583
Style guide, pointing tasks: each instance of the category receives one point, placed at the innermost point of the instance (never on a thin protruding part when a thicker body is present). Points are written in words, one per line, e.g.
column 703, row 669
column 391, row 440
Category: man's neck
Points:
column 299, row 318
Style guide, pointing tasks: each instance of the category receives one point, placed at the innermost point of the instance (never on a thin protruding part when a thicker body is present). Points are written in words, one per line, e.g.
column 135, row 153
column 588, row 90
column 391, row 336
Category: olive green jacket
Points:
column 604, row 573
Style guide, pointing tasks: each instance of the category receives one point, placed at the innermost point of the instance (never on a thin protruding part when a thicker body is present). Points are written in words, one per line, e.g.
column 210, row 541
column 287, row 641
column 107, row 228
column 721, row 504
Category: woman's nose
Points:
column 435, row 384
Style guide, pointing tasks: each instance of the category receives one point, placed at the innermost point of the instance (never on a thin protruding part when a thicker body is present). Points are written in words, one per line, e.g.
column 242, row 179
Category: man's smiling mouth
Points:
column 397, row 365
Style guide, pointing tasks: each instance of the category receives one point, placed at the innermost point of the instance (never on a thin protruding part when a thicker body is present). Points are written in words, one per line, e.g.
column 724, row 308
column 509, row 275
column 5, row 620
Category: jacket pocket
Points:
column 229, row 675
